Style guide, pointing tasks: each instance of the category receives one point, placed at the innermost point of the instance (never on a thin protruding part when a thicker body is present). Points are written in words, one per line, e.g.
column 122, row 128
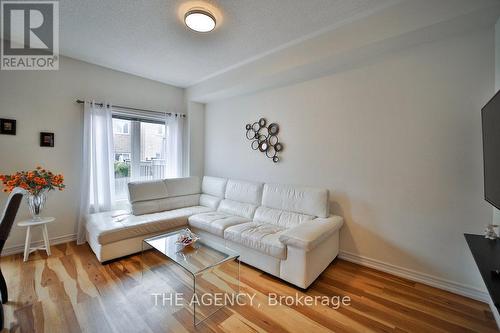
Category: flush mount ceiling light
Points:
column 200, row 20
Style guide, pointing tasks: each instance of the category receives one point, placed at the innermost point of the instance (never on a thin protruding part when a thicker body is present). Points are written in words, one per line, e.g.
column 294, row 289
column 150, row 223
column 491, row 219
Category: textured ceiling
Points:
column 148, row 38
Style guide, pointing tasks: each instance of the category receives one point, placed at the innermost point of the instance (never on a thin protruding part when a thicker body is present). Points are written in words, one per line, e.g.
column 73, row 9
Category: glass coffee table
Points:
column 214, row 272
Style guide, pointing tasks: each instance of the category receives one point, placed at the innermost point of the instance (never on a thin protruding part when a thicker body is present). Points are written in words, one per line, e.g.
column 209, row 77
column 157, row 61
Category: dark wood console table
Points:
column 486, row 253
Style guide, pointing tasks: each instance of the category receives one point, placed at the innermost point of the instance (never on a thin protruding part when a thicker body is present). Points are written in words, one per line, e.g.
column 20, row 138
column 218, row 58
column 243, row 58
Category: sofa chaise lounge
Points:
column 284, row 230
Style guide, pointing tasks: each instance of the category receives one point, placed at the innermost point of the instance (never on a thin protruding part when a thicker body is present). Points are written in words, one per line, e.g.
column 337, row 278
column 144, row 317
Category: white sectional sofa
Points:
column 284, row 230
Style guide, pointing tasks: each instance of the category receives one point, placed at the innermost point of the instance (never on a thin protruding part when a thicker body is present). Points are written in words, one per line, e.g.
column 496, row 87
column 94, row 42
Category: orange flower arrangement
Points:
column 34, row 182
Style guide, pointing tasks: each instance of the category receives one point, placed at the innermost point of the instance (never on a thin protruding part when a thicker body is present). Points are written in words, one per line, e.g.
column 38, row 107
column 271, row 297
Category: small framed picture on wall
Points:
column 8, row 126
column 47, row 139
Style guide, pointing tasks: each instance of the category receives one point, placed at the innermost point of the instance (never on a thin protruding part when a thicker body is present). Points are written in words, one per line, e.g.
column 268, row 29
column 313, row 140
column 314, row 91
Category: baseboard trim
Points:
column 409, row 274
column 53, row 241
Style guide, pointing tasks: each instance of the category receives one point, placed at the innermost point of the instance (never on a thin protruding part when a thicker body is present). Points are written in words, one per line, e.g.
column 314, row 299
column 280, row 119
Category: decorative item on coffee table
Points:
column 187, row 238
column 36, row 183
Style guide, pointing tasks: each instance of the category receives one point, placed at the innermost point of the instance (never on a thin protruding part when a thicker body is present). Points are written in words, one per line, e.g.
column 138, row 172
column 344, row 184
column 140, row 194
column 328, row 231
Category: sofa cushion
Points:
column 160, row 195
column 147, row 190
column 213, row 190
column 215, row 222
column 214, row 186
column 237, row 208
column 280, row 217
column 241, row 198
column 243, row 191
column 109, row 227
column 298, row 199
column 163, row 188
column 177, row 187
column 161, row 205
column 261, row 237
column 210, row 201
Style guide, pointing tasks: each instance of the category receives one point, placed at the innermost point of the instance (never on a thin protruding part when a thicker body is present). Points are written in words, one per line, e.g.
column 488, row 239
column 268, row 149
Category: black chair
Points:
column 6, row 222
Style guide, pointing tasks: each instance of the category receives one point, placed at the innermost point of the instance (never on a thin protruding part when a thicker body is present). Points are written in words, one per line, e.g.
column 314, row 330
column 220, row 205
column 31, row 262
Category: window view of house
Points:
column 121, row 126
column 139, row 151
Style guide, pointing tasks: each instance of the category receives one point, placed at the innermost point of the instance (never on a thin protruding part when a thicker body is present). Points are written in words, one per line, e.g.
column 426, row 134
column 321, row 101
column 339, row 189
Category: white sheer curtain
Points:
column 174, row 146
column 97, row 186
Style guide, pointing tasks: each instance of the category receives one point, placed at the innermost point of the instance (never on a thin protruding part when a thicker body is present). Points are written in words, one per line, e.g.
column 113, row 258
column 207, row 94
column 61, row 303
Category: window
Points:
column 122, row 157
column 139, row 150
column 121, row 126
column 161, row 130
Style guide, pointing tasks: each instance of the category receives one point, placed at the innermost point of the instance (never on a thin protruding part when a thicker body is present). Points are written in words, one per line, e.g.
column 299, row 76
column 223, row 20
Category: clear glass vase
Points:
column 36, row 202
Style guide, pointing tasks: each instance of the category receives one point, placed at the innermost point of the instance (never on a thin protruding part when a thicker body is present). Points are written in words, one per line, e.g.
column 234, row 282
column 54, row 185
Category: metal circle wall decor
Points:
column 255, row 145
column 274, row 129
column 278, row 147
column 273, row 140
column 263, row 146
column 250, row 134
column 271, row 152
column 264, row 138
column 264, row 131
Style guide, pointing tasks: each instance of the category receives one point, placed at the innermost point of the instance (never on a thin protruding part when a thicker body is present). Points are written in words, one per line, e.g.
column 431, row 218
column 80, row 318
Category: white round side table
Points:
column 39, row 223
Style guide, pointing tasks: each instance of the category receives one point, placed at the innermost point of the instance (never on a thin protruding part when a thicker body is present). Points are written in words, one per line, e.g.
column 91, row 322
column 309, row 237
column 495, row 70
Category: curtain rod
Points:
column 79, row 101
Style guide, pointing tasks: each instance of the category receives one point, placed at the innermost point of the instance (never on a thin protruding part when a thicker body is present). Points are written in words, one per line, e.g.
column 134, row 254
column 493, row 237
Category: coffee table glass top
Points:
column 195, row 258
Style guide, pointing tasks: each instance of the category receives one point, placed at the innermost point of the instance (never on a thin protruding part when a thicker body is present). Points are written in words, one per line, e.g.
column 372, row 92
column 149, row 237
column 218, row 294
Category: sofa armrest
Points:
column 308, row 235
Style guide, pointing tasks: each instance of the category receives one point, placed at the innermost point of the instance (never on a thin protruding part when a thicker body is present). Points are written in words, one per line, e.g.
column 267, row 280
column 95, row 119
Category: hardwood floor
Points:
column 72, row 292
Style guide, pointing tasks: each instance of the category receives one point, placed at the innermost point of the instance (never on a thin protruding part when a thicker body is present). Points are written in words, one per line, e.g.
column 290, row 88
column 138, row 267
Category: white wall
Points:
column 196, row 116
column 397, row 141
column 45, row 101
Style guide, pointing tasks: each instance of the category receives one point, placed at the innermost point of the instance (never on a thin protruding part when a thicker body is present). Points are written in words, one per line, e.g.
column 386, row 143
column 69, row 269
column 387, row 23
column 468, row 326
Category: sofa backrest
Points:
column 279, row 204
column 241, row 198
column 213, row 190
column 161, row 195
column 289, row 205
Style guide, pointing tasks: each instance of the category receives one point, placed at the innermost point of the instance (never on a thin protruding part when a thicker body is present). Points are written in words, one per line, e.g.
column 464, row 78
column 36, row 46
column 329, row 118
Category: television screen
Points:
column 490, row 115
